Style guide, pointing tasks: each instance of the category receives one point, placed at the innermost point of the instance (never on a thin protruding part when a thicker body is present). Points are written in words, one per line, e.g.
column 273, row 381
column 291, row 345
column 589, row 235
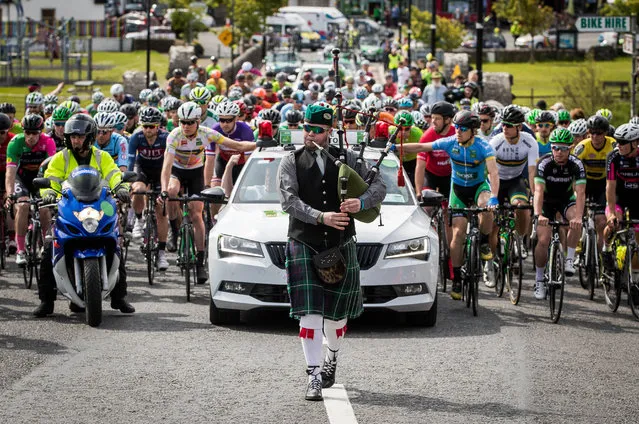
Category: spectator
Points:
column 395, row 12
column 434, row 92
column 403, row 73
column 217, row 81
column 390, row 88
column 393, row 63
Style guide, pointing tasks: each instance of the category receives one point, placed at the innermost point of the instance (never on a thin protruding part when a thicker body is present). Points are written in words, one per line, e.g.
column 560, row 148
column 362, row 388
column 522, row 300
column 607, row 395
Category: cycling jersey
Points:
column 624, row 170
column 242, row 132
column 59, row 142
column 512, row 159
column 210, row 121
column 28, row 159
column 16, row 128
column 146, row 156
column 544, row 148
column 594, row 160
column 189, row 152
column 3, row 152
column 92, row 110
column 117, row 148
column 560, row 178
column 468, row 162
column 437, row 162
column 412, row 136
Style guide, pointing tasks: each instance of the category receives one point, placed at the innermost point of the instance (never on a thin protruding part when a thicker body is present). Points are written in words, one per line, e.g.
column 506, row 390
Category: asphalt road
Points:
column 166, row 363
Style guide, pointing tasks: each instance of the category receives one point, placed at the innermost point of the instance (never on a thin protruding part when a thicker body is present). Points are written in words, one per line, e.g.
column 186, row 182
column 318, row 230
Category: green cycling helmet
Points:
column 405, row 116
column 61, row 113
column 606, row 113
column 563, row 115
column 211, row 88
column 218, row 99
column 561, row 136
column 532, row 116
column 200, row 95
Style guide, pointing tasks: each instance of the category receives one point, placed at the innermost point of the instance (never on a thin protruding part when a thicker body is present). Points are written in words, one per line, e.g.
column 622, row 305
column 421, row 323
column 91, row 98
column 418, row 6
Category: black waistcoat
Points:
column 321, row 193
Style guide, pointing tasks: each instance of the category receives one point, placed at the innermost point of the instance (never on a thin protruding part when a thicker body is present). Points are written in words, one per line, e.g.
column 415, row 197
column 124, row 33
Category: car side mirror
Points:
column 41, row 183
column 129, row 176
column 431, row 198
column 215, row 195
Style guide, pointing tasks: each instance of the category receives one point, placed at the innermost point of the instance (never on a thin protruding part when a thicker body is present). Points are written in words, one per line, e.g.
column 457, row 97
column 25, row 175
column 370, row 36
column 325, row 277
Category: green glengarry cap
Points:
column 319, row 113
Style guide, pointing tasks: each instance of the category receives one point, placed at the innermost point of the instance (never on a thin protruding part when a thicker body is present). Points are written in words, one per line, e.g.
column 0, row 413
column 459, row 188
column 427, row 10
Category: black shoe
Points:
column 314, row 388
column 328, row 373
column 171, row 243
column 44, row 309
column 122, row 305
column 75, row 308
column 456, row 291
column 201, row 274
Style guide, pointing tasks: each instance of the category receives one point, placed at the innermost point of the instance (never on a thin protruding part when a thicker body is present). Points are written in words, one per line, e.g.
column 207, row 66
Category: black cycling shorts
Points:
column 551, row 209
column 150, row 176
column 436, row 182
column 220, row 167
column 24, row 186
column 191, row 180
column 510, row 190
column 596, row 193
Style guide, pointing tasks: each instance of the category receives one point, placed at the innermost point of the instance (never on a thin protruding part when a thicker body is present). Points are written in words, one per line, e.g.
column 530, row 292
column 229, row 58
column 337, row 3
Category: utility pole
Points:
column 409, row 32
column 148, row 42
column 433, row 26
column 233, row 39
column 479, row 26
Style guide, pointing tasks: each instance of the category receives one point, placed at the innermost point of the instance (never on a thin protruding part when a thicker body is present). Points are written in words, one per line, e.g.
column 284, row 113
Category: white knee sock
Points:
column 334, row 331
column 539, row 271
column 311, row 337
column 571, row 253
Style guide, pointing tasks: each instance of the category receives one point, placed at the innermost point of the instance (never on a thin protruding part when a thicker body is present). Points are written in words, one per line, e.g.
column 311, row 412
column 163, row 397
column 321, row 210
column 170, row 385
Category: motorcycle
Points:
column 86, row 250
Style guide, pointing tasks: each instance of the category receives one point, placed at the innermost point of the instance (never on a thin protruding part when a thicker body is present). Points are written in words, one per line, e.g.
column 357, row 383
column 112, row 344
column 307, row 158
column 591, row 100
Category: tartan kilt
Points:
column 310, row 296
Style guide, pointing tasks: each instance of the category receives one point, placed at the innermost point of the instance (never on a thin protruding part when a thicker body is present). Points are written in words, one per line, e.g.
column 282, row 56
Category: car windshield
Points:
column 369, row 41
column 258, row 183
column 283, row 57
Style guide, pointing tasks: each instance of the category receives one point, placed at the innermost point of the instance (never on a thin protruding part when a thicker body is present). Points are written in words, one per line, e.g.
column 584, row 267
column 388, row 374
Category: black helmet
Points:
column 153, row 85
column 159, row 92
column 153, row 99
column 287, row 92
column 80, row 124
column 389, row 102
column 129, row 110
column 512, row 114
column 150, row 115
column 466, row 118
column 444, row 109
column 329, row 94
column 272, row 115
column 598, row 123
column 473, row 86
column 7, row 108
column 5, row 122
column 546, row 116
column 248, row 101
column 193, row 58
column 294, row 116
column 33, row 122
column 485, row 109
column 177, row 72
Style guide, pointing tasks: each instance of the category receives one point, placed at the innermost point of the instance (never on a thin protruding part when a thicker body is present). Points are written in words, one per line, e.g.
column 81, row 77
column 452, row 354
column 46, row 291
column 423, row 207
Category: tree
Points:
column 184, row 22
column 533, row 17
column 621, row 8
column 250, row 15
column 449, row 33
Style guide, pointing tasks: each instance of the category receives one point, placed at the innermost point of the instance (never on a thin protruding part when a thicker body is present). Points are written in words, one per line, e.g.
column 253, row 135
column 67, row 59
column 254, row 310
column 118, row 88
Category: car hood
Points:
column 268, row 223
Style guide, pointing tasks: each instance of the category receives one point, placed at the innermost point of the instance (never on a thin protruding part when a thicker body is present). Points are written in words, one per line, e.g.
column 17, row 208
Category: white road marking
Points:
column 338, row 407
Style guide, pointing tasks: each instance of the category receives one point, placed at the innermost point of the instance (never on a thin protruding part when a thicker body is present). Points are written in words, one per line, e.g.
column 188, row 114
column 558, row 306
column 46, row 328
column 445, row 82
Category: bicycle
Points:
column 509, row 248
column 624, row 248
column 436, row 201
column 589, row 263
column 33, row 242
column 125, row 234
column 149, row 246
column 471, row 270
column 3, row 237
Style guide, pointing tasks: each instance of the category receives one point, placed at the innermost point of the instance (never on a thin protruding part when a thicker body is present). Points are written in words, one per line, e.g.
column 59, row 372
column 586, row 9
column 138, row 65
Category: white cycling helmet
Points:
column 626, row 133
column 228, row 108
column 104, row 120
column 119, row 118
column 634, row 120
column 247, row 66
column 48, row 124
column 35, row 99
column 578, row 127
column 97, row 97
column 328, row 85
column 108, row 106
column 377, row 88
column 189, row 111
column 372, row 102
column 117, row 89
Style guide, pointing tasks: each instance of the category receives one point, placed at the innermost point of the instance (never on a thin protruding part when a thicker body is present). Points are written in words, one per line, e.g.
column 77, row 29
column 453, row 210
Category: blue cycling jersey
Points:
column 116, row 147
column 544, row 149
column 148, row 157
column 468, row 162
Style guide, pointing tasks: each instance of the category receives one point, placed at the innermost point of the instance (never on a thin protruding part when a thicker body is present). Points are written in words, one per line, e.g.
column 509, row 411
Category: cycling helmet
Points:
column 351, row 110
column 153, row 85
column 466, row 118
column 361, row 93
column 627, row 133
column 418, row 120
column 33, row 122
column 117, row 89
column 35, row 99
column 563, row 115
column 465, row 104
column 189, row 111
column 473, row 86
column 560, row 136
column 200, row 95
column 425, row 110
column 404, row 118
column 119, row 120
column 294, row 116
column 177, row 72
column 598, row 123
column 150, row 115
column 281, row 76
column 511, row 114
column 173, row 104
column 104, row 120
column 80, row 124
column 109, row 106
column 48, row 109
column 7, row 108
column 61, row 113
column 216, row 73
column 128, row 109
column 315, row 87
column 235, row 93
column 329, row 85
column 405, row 103
column 216, row 100
column 5, row 122
column 390, row 103
column 97, row 97
column 606, row 113
column 377, row 88
column 372, row 103
column 415, row 93
column 48, row 124
column 531, row 117
column 444, row 109
column 165, row 101
column 247, row 66
column 544, row 116
column 485, row 109
column 212, row 89
column 260, row 93
column 287, row 92
column 634, row 120
column 272, row 115
column 228, row 108
column 578, row 127
column 50, row 99
column 248, row 101
column 144, row 95
column 153, row 100
column 299, row 96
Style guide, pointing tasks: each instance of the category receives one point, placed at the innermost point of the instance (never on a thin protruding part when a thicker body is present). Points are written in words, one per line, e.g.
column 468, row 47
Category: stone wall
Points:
column 179, row 57
column 497, row 87
column 135, row 81
column 453, row 59
column 523, row 55
column 253, row 55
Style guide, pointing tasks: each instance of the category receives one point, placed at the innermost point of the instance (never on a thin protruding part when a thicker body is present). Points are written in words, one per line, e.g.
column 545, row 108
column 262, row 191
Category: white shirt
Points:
column 512, row 159
column 403, row 74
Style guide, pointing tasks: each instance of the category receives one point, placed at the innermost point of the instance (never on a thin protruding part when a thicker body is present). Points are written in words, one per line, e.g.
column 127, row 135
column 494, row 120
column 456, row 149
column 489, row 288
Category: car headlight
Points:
column 418, row 248
column 230, row 245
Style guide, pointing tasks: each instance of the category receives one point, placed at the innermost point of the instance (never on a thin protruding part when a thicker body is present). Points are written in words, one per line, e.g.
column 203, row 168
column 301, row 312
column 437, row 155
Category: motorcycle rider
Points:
column 79, row 133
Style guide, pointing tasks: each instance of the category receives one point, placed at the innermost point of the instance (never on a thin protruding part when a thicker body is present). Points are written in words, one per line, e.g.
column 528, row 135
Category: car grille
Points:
column 270, row 293
column 378, row 294
column 367, row 254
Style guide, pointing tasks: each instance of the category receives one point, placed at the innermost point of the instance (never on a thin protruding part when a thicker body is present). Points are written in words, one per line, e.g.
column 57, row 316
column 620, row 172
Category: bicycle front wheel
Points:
column 36, row 254
column 592, row 269
column 612, row 286
column 501, row 268
column 556, row 283
column 150, row 234
column 476, row 272
column 185, row 252
column 633, row 292
column 27, row 273
column 444, row 257
column 515, row 281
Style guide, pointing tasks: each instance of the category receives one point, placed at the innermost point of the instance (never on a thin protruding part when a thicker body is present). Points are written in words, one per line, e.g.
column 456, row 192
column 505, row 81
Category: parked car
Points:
column 371, row 48
column 283, row 61
column 546, row 40
column 157, row 33
column 282, row 26
column 491, row 41
column 398, row 255
column 367, row 26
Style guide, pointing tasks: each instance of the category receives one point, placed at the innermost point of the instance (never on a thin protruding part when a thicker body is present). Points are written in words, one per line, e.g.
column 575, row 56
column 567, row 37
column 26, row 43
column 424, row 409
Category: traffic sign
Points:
column 603, row 23
column 629, row 43
column 226, row 37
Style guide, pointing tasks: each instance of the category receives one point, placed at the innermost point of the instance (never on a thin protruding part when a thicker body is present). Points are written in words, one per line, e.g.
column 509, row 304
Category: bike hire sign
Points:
column 603, row 24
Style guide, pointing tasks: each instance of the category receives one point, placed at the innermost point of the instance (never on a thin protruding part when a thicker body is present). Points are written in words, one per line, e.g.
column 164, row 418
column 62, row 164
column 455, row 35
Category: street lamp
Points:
column 409, row 32
column 148, row 42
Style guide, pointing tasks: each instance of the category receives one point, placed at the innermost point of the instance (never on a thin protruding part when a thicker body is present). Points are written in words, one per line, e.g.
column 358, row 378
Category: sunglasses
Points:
column 226, row 120
column 546, row 125
column 623, row 143
column 461, row 128
column 149, row 126
column 560, row 148
column 59, row 124
column 104, row 131
column 314, row 129
column 564, row 122
column 485, row 121
column 390, row 109
column 508, row 125
column 187, row 122
column 32, row 132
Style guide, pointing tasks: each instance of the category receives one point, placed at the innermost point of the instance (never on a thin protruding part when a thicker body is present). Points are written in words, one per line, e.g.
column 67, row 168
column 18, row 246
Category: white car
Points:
column 157, row 33
column 546, row 40
column 398, row 253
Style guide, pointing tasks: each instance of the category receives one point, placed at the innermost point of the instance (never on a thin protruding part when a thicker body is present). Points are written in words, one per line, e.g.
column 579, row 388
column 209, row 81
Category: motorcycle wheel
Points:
column 92, row 291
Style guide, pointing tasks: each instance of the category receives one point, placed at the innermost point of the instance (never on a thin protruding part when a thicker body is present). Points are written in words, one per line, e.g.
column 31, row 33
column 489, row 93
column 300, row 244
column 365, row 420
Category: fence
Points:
column 621, row 93
column 33, row 29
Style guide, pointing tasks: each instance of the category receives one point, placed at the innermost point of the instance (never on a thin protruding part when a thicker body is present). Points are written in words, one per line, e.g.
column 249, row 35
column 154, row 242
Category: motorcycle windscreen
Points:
column 85, row 183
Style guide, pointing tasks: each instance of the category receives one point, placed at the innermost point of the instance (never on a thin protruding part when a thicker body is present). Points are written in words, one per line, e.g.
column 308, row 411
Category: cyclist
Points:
column 25, row 153
column 410, row 134
column 80, row 134
column 35, row 103
column 182, row 168
column 109, row 141
column 486, row 119
column 546, row 123
column 119, row 122
column 606, row 113
column 293, row 120
column 622, row 168
column 60, row 116
column 174, row 85
column 563, row 118
column 593, row 152
column 579, row 130
column 425, row 110
column 471, row 159
column 96, row 98
column 117, row 92
column 10, row 110
column 131, row 113
column 559, row 189
column 5, row 137
column 202, row 96
column 170, row 109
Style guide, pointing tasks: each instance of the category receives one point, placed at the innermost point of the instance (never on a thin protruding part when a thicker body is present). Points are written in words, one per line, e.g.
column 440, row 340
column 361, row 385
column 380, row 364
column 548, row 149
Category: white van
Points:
column 321, row 19
column 285, row 24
